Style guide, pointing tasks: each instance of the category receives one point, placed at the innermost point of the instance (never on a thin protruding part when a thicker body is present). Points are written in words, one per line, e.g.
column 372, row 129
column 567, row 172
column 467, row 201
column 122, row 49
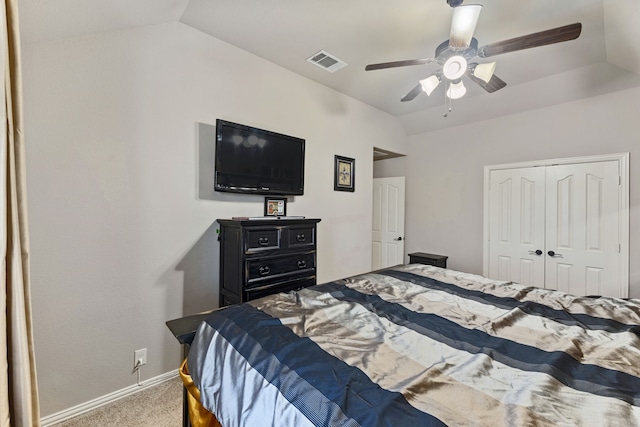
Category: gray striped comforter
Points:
column 421, row 346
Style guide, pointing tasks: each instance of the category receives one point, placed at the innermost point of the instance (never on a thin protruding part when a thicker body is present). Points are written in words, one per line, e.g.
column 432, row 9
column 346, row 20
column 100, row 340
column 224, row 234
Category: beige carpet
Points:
column 158, row 406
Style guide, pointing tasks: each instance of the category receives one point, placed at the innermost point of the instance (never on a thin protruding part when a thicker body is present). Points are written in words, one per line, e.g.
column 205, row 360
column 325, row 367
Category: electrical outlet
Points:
column 139, row 358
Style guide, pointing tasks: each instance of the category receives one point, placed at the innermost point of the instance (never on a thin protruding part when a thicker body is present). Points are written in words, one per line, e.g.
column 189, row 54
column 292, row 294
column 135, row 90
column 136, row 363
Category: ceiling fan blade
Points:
column 393, row 64
column 495, row 83
column 412, row 93
column 463, row 25
column 554, row 35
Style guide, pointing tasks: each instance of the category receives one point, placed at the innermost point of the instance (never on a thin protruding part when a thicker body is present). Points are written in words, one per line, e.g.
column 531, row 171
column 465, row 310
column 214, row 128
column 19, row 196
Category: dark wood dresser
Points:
column 264, row 256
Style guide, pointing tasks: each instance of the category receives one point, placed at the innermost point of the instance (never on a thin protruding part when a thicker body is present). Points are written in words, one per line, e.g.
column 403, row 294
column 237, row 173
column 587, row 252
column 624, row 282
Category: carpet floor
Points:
column 158, row 406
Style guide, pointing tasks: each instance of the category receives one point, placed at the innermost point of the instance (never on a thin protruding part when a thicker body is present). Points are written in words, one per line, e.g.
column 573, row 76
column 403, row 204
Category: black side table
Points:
column 184, row 330
column 429, row 259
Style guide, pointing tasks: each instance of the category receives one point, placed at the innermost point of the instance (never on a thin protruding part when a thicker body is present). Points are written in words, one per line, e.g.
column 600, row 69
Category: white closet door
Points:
column 517, row 211
column 571, row 214
column 582, row 236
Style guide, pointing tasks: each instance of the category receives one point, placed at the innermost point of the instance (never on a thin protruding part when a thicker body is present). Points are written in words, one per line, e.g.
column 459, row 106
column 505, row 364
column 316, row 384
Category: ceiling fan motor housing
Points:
column 444, row 52
column 454, row 3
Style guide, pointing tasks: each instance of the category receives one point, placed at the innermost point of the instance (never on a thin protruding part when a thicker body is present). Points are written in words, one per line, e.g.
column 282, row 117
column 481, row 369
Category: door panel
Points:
column 527, row 272
column 516, row 207
column 583, row 228
column 376, row 250
column 388, row 222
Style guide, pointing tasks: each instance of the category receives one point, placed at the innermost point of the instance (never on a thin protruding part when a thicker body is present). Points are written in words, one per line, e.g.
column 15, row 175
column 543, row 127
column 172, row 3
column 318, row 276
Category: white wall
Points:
column 122, row 230
column 444, row 170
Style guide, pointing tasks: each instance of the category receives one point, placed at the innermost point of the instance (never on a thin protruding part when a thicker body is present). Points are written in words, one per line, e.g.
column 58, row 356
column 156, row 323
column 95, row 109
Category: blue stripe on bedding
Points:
column 356, row 395
column 587, row 378
column 571, row 319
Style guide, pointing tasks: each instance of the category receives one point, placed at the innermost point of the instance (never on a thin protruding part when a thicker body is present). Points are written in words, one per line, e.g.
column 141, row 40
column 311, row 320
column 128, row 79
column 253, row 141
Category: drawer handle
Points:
column 301, row 237
column 264, row 270
column 302, row 263
column 263, row 241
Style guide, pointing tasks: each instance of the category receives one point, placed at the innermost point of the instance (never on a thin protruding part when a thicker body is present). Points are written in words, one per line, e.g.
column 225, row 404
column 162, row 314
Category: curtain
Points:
column 18, row 388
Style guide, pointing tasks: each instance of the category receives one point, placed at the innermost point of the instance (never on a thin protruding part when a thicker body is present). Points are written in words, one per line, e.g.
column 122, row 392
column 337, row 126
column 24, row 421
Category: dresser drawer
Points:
column 262, row 238
column 301, row 236
column 286, row 286
column 261, row 270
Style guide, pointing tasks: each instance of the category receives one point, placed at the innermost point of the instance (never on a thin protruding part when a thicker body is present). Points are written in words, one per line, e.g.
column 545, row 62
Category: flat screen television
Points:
column 257, row 161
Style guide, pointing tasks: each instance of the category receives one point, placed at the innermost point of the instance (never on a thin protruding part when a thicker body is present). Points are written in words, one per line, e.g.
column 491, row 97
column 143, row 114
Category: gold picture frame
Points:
column 344, row 174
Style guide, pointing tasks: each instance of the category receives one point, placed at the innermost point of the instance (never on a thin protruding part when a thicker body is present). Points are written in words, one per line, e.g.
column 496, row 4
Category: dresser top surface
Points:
column 281, row 221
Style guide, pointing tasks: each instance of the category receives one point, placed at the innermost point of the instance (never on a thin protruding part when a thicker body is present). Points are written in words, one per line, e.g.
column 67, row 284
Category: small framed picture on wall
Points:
column 345, row 174
column 275, row 206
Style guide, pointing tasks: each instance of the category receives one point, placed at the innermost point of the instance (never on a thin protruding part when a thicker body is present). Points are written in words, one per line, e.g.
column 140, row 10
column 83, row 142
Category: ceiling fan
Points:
column 454, row 55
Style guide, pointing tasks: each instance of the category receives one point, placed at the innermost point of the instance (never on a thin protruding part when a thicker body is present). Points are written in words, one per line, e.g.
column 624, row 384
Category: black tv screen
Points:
column 257, row 161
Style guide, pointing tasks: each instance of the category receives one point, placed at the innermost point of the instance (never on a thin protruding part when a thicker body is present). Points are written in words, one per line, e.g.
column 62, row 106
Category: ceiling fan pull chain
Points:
column 445, row 101
column 447, row 109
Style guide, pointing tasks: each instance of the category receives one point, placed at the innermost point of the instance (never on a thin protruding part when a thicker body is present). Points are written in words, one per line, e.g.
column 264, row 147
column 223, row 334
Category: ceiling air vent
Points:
column 326, row 61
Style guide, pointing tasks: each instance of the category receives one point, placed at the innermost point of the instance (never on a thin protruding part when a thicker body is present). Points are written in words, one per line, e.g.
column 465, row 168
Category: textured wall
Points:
column 122, row 221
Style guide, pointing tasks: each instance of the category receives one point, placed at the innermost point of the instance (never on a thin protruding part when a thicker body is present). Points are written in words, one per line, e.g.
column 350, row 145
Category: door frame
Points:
column 623, row 204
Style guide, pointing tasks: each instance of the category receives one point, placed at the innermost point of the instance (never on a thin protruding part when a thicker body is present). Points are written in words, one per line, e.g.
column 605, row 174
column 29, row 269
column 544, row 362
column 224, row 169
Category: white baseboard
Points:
column 74, row 411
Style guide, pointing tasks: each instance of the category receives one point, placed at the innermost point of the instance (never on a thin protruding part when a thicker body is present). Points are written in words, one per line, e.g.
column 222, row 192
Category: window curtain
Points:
column 18, row 388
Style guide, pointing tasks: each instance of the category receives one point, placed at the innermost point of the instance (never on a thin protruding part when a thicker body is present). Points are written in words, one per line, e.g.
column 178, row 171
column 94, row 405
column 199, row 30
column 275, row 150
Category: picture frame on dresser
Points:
column 275, row 206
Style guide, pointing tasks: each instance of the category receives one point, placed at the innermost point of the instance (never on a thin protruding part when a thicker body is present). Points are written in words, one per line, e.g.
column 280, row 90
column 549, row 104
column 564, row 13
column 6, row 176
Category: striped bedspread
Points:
column 421, row 346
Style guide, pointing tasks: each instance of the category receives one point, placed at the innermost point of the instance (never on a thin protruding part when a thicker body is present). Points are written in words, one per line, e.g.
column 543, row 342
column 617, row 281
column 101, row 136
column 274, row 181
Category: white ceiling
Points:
column 605, row 58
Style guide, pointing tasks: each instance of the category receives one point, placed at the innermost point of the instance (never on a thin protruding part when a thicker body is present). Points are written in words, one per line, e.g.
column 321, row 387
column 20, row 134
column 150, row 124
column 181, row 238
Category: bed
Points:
column 419, row 345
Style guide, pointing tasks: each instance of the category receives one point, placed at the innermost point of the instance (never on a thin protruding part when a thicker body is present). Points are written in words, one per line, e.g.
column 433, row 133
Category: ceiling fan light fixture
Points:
column 456, row 90
column 454, row 67
column 429, row 84
column 484, row 71
column 463, row 25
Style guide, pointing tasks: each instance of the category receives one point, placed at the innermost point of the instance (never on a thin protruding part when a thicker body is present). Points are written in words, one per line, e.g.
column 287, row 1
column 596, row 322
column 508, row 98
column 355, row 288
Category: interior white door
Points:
column 517, row 210
column 557, row 227
column 582, row 239
column 388, row 222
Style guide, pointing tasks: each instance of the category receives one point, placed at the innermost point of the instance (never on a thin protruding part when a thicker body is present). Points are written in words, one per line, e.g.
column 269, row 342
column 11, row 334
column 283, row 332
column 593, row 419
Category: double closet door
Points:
column 557, row 227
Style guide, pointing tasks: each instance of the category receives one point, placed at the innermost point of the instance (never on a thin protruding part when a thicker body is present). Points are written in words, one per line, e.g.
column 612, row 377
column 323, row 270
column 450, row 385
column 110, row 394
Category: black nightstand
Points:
column 184, row 329
column 429, row 259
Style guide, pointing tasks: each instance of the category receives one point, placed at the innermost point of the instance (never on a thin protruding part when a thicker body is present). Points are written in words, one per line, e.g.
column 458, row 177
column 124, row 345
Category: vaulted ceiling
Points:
column 606, row 57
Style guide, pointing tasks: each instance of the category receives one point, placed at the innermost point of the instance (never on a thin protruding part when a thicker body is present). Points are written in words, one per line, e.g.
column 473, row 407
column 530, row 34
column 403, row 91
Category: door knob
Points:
column 398, row 239
column 553, row 254
column 536, row 252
